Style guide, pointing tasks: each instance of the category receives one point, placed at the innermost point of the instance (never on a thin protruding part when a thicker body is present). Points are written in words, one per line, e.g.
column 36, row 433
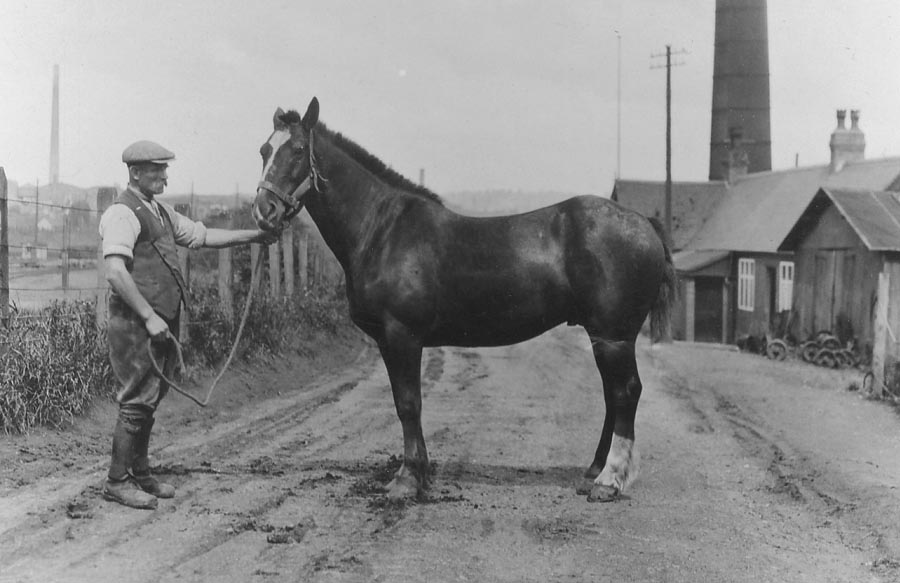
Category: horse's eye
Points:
column 265, row 150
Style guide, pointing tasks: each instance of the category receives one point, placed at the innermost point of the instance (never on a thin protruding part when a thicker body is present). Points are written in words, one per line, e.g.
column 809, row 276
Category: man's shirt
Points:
column 119, row 227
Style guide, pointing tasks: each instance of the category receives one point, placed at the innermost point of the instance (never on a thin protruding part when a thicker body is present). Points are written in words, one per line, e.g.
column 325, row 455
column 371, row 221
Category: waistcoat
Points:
column 155, row 268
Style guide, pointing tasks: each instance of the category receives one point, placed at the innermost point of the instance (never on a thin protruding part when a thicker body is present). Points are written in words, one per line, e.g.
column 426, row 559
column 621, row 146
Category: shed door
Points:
column 708, row 309
column 823, row 291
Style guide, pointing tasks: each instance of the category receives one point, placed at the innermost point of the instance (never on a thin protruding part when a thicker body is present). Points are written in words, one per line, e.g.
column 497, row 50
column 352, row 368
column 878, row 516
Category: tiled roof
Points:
column 759, row 210
column 692, row 203
column 875, row 216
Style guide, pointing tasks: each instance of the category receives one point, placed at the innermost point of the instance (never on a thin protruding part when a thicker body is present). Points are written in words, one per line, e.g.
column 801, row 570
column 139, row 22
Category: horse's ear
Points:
column 276, row 119
column 311, row 117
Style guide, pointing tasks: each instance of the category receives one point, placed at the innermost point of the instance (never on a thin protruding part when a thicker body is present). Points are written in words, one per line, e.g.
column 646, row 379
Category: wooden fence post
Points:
column 226, row 278
column 255, row 250
column 184, row 258
column 287, row 244
column 275, row 270
column 226, row 298
column 881, row 333
column 105, row 197
column 303, row 258
column 319, row 266
column 4, row 251
column 64, row 253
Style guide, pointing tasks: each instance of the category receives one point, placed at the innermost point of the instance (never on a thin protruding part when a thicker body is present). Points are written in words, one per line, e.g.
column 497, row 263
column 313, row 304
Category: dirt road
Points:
column 751, row 471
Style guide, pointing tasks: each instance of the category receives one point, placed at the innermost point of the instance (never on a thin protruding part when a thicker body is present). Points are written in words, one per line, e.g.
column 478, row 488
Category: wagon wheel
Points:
column 825, row 358
column 843, row 358
column 849, row 358
column 830, row 342
column 808, row 351
column 822, row 334
column 777, row 350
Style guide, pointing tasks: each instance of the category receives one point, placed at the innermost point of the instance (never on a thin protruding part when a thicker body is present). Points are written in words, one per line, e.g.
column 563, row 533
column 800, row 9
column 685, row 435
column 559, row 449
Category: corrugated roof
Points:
column 687, row 261
column 875, row 216
column 692, row 203
column 759, row 210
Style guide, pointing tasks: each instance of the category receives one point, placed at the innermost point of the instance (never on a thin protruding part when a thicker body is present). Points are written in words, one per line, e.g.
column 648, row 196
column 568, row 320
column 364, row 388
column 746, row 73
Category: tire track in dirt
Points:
column 793, row 477
column 253, row 459
column 508, row 430
column 272, row 425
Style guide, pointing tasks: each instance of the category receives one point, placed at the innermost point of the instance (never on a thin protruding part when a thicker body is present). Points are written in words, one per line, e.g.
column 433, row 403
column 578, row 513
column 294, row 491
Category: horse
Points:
column 419, row 275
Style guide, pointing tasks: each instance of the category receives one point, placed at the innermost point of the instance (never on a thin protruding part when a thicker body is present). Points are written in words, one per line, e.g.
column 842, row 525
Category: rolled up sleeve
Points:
column 119, row 230
column 188, row 233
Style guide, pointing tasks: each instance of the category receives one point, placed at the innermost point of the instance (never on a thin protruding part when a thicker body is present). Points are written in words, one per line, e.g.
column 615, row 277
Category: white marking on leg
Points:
column 621, row 467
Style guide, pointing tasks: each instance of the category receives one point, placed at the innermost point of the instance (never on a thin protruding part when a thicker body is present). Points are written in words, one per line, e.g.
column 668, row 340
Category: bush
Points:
column 52, row 363
column 272, row 324
column 55, row 360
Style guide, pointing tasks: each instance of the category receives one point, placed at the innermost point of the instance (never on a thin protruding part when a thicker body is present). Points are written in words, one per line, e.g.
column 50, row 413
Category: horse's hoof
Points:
column 601, row 493
column 584, row 486
column 402, row 489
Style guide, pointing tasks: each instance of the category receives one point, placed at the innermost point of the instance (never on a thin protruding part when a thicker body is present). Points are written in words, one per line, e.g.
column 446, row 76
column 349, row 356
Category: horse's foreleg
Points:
column 403, row 358
column 615, row 461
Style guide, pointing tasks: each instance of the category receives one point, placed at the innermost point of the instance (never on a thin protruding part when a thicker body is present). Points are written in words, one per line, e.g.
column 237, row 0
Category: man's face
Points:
column 151, row 179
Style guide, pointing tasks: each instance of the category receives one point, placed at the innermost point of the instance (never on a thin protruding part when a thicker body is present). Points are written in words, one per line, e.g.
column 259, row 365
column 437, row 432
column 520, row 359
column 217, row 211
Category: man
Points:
column 140, row 235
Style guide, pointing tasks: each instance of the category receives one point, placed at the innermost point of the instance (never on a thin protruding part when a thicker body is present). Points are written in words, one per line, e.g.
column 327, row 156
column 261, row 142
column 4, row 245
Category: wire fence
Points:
column 50, row 251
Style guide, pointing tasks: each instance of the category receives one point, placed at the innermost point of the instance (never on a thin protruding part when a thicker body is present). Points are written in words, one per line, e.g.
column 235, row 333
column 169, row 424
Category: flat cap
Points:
column 145, row 151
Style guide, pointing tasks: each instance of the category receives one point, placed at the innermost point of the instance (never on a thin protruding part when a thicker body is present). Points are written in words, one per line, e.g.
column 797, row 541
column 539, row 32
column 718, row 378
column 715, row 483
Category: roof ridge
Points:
column 864, row 162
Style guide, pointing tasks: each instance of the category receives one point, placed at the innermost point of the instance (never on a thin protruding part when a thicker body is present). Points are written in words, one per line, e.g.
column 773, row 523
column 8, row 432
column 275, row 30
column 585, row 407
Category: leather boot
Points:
column 128, row 493
column 140, row 469
column 119, row 486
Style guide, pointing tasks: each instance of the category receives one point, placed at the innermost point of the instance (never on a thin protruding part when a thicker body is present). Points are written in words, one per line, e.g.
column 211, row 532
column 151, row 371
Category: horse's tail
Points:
column 661, row 310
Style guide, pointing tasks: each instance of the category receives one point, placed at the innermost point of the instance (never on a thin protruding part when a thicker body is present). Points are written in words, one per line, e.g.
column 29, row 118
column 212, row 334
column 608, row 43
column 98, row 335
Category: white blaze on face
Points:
column 278, row 139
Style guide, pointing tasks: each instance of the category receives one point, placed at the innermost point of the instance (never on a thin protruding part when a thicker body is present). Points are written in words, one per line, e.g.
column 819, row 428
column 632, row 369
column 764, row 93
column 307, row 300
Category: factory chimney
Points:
column 740, row 100
column 54, row 130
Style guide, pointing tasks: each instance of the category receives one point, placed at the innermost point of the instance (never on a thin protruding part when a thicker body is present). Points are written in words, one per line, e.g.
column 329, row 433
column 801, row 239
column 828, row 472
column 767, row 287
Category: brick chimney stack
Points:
column 740, row 96
column 738, row 161
column 847, row 145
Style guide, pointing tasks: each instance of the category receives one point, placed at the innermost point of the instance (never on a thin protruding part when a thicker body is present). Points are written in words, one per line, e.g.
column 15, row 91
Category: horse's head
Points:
column 289, row 168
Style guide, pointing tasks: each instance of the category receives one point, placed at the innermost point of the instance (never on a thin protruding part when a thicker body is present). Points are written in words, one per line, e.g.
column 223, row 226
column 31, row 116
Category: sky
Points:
column 482, row 94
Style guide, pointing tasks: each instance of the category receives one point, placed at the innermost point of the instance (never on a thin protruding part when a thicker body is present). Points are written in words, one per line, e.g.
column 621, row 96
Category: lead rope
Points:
column 254, row 281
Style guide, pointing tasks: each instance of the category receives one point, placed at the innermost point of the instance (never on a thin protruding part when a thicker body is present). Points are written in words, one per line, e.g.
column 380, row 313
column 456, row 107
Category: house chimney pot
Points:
column 847, row 145
column 841, row 114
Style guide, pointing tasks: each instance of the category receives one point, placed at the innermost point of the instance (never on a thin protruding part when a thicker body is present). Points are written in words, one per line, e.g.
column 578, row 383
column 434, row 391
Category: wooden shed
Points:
column 846, row 248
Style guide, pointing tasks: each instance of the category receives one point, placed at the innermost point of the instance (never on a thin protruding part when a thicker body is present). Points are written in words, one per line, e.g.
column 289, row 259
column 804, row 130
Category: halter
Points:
column 292, row 202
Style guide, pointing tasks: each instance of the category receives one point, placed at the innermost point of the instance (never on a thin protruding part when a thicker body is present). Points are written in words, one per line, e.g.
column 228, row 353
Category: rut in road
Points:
column 268, row 456
column 791, row 474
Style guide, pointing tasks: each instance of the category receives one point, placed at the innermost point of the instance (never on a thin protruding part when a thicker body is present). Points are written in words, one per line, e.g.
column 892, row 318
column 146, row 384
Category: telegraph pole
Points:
column 618, row 106
column 4, row 251
column 669, row 64
column 664, row 335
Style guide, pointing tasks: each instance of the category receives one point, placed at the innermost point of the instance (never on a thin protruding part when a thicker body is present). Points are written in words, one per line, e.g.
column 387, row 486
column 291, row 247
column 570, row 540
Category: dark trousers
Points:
column 130, row 360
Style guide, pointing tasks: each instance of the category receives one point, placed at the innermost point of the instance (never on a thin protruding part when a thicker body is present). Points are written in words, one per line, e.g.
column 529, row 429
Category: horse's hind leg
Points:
column 615, row 462
column 403, row 358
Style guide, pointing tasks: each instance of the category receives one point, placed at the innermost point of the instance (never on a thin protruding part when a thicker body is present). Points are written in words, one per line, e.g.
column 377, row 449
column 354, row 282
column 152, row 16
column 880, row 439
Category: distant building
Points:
column 737, row 279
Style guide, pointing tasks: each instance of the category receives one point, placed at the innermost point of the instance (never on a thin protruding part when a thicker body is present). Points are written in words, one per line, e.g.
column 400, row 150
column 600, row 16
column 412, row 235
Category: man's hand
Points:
column 267, row 237
column 156, row 328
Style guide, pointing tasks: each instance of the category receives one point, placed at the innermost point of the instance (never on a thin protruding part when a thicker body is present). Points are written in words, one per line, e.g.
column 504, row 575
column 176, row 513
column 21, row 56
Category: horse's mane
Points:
column 368, row 161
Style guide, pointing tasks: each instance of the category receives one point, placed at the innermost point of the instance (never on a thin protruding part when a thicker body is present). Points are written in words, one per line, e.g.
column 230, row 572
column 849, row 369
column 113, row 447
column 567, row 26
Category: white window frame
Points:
column 785, row 285
column 746, row 284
